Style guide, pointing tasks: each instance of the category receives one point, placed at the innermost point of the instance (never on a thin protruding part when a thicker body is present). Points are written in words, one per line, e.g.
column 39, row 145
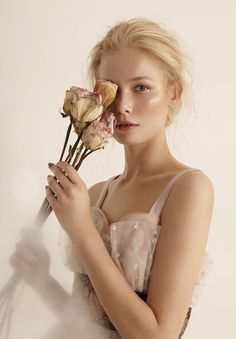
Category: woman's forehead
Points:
column 129, row 64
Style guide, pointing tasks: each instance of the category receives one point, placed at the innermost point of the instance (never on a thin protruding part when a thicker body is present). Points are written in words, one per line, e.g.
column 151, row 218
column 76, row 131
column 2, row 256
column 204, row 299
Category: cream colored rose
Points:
column 82, row 105
column 108, row 91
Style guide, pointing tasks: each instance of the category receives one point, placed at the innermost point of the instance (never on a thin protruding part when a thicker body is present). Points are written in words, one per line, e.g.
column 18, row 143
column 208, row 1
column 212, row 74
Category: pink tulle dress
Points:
column 131, row 243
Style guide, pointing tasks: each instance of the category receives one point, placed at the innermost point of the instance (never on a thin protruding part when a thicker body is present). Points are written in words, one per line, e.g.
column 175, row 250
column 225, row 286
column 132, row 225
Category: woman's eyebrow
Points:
column 141, row 78
column 130, row 80
column 135, row 79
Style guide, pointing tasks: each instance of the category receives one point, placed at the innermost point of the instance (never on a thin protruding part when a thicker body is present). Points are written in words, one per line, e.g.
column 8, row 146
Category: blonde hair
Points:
column 150, row 37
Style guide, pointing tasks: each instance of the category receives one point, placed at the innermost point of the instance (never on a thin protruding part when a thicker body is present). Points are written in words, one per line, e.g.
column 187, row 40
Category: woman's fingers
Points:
column 31, row 261
column 20, row 265
column 54, row 186
column 26, row 253
column 61, row 175
column 65, row 173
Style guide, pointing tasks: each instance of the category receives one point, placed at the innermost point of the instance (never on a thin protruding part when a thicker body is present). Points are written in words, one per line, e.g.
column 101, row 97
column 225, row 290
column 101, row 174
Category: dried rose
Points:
column 108, row 91
column 99, row 132
column 82, row 105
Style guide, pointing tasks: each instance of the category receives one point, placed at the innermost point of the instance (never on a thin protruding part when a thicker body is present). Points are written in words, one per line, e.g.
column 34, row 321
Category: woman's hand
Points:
column 68, row 197
column 31, row 260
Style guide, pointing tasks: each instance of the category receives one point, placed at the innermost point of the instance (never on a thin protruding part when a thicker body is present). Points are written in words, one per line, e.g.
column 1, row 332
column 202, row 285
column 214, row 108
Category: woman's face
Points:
column 142, row 97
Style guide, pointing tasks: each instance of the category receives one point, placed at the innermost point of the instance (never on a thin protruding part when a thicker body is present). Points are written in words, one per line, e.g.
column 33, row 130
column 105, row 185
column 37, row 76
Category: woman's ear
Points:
column 175, row 93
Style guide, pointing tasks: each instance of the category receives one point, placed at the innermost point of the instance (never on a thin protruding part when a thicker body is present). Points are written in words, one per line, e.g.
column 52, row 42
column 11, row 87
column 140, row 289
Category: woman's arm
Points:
column 177, row 260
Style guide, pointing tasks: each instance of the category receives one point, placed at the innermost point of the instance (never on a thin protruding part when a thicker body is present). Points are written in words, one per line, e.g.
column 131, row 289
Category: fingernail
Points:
column 50, row 164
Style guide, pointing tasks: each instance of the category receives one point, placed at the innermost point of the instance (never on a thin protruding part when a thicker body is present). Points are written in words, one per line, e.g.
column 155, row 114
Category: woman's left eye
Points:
column 142, row 88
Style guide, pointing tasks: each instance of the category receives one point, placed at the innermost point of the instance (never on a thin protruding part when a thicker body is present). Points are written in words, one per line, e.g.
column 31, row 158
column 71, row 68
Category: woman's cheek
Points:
column 153, row 102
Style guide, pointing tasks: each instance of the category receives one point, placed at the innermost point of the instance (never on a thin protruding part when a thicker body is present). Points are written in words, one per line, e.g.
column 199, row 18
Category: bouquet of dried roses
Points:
column 93, row 125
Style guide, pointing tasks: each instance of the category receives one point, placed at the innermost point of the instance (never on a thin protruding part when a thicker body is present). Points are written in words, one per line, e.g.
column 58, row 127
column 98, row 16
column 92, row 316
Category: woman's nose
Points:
column 122, row 104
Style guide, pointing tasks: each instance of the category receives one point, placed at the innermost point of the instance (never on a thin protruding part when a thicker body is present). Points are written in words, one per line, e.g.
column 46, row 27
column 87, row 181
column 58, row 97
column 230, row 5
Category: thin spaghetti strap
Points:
column 103, row 192
column 159, row 204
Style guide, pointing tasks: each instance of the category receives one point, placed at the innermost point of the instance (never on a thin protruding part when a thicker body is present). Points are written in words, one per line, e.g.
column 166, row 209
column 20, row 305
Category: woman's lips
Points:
column 125, row 127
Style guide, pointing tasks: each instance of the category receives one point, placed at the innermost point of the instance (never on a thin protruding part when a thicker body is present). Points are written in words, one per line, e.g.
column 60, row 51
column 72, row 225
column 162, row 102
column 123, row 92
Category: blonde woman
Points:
column 136, row 242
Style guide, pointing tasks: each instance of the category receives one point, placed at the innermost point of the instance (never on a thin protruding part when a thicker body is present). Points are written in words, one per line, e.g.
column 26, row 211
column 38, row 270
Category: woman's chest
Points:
column 121, row 201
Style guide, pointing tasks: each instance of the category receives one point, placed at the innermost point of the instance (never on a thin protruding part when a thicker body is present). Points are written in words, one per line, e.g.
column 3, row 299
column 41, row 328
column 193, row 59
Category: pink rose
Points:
column 99, row 132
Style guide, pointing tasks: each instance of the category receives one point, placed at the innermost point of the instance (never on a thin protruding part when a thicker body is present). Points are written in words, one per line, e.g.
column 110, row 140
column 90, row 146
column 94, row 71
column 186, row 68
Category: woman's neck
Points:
column 148, row 159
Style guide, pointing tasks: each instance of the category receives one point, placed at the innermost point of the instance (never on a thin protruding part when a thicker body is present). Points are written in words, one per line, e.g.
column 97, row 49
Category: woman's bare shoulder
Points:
column 94, row 192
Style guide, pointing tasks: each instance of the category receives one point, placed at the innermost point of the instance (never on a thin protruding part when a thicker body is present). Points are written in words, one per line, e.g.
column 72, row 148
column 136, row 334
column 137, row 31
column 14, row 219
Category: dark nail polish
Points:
column 50, row 164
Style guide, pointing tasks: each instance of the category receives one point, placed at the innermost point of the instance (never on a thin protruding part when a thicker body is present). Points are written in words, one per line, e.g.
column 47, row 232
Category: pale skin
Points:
column 149, row 165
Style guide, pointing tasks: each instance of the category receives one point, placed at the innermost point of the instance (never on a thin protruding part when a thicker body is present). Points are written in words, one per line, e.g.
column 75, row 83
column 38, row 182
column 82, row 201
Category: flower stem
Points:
column 83, row 156
column 8, row 286
column 66, row 140
column 42, row 213
column 79, row 132
column 79, row 150
column 70, row 156
column 90, row 152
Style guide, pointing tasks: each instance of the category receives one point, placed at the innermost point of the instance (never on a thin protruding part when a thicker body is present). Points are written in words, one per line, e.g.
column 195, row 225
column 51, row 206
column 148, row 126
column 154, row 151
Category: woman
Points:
column 136, row 242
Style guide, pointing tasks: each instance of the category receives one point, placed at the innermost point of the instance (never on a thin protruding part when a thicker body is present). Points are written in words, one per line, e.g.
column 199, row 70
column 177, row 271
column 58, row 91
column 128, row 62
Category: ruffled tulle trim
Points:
column 201, row 281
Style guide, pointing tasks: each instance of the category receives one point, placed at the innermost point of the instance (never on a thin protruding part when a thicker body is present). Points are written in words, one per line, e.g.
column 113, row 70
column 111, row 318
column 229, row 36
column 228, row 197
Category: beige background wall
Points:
column 44, row 45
